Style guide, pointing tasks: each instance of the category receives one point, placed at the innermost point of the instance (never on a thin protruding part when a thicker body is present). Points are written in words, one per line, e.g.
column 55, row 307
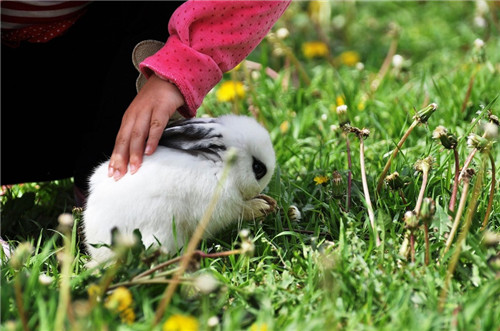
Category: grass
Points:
column 323, row 271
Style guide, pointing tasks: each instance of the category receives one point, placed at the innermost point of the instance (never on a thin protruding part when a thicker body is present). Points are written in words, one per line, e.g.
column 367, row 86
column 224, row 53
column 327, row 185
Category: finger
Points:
column 156, row 127
column 138, row 137
column 120, row 155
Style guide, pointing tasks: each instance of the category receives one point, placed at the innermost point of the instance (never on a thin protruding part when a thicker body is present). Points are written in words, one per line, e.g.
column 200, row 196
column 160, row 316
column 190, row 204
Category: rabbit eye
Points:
column 259, row 169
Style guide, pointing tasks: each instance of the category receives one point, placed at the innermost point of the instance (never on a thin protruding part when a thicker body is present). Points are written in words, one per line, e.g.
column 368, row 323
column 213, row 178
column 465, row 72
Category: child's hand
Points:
column 143, row 124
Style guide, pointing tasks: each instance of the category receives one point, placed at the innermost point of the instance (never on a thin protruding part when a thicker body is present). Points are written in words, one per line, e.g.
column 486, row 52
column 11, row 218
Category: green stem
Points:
column 454, row 190
column 371, row 214
column 394, row 153
column 492, row 192
column 458, row 215
column 463, row 234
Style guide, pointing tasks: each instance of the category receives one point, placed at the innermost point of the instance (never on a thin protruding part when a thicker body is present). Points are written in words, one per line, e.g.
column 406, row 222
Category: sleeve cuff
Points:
column 194, row 73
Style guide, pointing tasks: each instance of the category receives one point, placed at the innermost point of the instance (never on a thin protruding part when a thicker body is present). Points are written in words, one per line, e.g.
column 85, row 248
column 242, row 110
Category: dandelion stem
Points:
column 467, row 163
column 19, row 301
column 492, row 192
column 196, row 253
column 64, row 291
column 458, row 215
column 425, row 176
column 371, row 214
column 412, row 246
column 463, row 234
column 193, row 242
column 394, row 153
column 349, row 173
column 385, row 65
column 427, row 245
column 453, row 198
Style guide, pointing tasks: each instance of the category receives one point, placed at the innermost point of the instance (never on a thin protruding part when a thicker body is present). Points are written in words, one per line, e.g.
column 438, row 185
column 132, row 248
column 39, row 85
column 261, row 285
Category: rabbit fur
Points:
column 177, row 182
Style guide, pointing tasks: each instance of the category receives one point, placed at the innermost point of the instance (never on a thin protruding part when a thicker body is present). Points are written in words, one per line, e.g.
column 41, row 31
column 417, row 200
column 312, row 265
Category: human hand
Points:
column 143, row 124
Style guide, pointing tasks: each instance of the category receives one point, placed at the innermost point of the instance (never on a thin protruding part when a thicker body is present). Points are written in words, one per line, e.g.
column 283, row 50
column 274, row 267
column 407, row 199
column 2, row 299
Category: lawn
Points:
column 349, row 248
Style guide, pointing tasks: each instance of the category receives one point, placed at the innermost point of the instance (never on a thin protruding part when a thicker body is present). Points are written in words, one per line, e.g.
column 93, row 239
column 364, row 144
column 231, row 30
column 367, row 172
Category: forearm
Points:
column 208, row 39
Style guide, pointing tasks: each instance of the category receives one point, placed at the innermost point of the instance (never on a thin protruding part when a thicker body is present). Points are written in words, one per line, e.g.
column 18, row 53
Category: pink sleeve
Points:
column 208, row 38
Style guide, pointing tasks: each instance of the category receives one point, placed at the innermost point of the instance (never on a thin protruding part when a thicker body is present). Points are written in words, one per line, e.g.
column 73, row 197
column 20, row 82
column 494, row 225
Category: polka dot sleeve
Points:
column 208, row 38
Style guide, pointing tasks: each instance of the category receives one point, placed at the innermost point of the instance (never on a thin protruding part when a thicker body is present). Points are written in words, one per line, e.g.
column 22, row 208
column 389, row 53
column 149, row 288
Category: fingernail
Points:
column 133, row 169
column 148, row 150
column 116, row 174
column 110, row 171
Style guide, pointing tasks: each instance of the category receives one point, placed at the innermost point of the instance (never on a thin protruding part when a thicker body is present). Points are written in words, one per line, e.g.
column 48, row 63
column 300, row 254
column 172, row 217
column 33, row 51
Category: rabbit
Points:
column 176, row 183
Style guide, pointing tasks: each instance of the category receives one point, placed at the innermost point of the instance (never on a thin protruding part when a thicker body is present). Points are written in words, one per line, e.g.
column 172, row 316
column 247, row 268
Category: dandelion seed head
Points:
column 397, row 61
column 206, row 283
column 490, row 131
column 324, row 117
column 282, row 33
column 45, row 279
column 478, row 43
column 213, row 321
column 66, row 220
column 479, row 21
column 360, row 66
column 244, row 233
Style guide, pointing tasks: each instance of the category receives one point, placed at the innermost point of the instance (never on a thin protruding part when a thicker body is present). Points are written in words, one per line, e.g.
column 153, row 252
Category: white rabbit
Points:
column 177, row 182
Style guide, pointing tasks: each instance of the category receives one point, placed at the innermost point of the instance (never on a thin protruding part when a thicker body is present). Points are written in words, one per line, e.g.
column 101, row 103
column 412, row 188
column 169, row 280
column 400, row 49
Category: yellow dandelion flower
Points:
column 340, row 101
column 284, row 127
column 258, row 327
column 179, row 322
column 361, row 106
column 119, row 300
column 128, row 316
column 230, row 90
column 349, row 58
column 320, row 180
column 312, row 49
column 94, row 292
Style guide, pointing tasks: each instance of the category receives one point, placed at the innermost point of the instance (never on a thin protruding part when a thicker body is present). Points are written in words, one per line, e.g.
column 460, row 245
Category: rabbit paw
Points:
column 259, row 206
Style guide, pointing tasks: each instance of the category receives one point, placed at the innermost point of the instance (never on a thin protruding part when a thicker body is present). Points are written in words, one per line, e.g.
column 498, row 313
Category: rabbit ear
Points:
column 200, row 137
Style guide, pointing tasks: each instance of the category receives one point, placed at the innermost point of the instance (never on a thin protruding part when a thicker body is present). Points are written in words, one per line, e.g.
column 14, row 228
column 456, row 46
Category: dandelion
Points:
column 337, row 185
column 319, row 180
column 284, row 127
column 360, row 66
column 449, row 141
column 340, row 101
column 247, row 247
column 206, row 283
column 119, row 300
column 349, row 58
column 397, row 61
column 313, row 49
column 65, row 220
column 213, row 321
column 258, row 327
column 282, row 33
column 179, row 322
column 244, row 233
column 229, row 91
column 342, row 115
column 45, row 279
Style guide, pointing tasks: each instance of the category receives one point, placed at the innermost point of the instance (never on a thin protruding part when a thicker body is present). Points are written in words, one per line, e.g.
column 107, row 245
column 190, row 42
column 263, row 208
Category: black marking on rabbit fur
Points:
column 191, row 137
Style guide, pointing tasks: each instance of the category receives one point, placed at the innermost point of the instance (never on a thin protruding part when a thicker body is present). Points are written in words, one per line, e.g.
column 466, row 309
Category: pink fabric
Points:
column 208, row 38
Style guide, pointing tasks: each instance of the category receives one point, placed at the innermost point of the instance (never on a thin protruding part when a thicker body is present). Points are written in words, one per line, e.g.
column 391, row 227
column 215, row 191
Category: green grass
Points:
column 323, row 272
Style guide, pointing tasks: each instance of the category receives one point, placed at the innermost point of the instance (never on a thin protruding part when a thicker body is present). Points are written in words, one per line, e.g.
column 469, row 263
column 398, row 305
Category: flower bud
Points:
column 448, row 140
column 394, row 181
column 424, row 165
column 427, row 210
column 411, row 220
column 337, row 185
column 342, row 114
column 478, row 142
column 423, row 114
